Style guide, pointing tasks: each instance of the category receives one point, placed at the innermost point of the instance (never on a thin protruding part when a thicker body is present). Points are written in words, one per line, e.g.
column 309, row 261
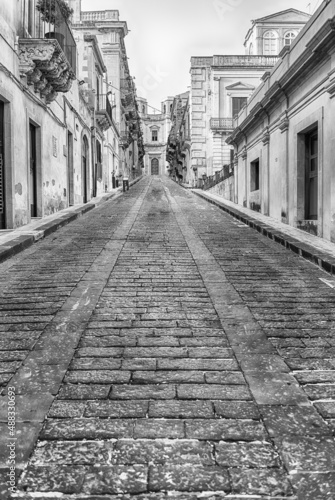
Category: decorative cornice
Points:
column 45, row 66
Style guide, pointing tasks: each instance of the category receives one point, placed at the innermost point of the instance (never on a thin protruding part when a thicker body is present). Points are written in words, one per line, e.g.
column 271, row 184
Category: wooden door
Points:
column 312, row 162
column 154, row 167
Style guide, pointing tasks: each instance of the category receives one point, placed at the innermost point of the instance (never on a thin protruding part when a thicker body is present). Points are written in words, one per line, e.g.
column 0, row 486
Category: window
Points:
column 251, row 49
column 238, row 103
column 254, row 175
column 143, row 109
column 289, row 37
column 164, row 109
column 154, row 135
column 270, row 43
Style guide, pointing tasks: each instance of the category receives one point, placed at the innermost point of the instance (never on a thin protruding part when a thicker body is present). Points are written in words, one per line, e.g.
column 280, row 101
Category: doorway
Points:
column 311, row 175
column 2, row 168
column 84, row 166
column 154, row 166
column 32, row 170
column 70, row 172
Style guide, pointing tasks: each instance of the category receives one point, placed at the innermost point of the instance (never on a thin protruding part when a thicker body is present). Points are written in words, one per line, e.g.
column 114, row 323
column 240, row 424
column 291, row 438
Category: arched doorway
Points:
column 84, row 165
column 154, row 166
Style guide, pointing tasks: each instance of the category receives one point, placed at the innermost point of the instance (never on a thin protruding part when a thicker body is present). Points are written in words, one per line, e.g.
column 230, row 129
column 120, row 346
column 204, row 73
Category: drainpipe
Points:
column 93, row 153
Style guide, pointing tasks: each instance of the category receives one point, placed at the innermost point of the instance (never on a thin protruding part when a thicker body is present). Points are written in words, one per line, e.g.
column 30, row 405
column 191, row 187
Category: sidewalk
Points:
column 308, row 246
column 13, row 241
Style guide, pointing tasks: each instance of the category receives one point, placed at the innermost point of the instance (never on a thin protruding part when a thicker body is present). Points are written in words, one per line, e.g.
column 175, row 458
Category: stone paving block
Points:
column 221, row 392
column 159, row 341
column 181, row 409
column 188, row 478
column 210, row 352
column 262, row 362
column 106, row 341
column 155, row 429
column 313, row 486
column 166, row 377
column 28, row 408
column 25, row 434
column 63, row 479
column 296, row 420
column 260, row 482
column 72, row 453
column 97, row 377
column 86, row 428
column 229, row 378
column 102, row 352
column 300, row 453
column 254, row 455
column 163, row 451
column 237, row 410
column 67, row 409
column 326, row 408
column 139, row 364
column 117, row 409
column 143, row 392
column 315, row 377
column 118, row 479
column 155, row 352
column 275, row 388
column 221, row 430
column 197, row 364
column 320, row 391
column 81, row 391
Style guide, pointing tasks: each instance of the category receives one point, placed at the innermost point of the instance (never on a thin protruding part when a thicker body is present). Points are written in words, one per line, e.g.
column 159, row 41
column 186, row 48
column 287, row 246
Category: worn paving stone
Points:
column 188, row 478
column 84, row 391
column 143, row 392
column 97, row 377
column 218, row 430
column 229, row 392
column 81, row 428
column 296, row 420
column 117, row 409
column 72, row 453
column 156, row 428
column 313, row 486
column 261, row 482
column 300, row 453
column 163, row 451
column 63, row 479
column 181, row 409
column 116, row 479
column 237, row 410
column 254, row 455
column 168, row 377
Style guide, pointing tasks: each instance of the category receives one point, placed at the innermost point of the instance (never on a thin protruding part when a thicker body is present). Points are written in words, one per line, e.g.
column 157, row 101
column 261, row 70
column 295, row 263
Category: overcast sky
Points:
column 164, row 34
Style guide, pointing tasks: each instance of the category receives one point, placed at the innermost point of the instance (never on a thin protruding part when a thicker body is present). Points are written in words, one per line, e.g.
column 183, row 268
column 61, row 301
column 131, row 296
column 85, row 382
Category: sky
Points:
column 164, row 34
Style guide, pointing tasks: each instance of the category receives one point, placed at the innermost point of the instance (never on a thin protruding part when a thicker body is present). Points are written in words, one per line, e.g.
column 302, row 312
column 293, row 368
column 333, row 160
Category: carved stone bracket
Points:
column 45, row 66
column 284, row 124
column 266, row 136
column 244, row 153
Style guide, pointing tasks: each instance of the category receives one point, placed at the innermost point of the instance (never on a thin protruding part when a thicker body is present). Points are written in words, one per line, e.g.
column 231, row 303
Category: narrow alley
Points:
column 160, row 349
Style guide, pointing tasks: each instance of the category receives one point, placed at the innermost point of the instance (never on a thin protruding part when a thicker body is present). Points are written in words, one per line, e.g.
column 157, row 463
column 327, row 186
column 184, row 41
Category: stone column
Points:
column 246, row 176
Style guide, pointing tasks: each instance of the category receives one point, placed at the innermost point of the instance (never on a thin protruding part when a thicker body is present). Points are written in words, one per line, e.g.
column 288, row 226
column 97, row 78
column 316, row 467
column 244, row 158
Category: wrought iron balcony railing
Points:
column 104, row 111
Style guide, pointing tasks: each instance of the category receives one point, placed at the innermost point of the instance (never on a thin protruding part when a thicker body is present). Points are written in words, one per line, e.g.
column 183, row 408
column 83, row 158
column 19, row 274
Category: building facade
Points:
column 221, row 86
column 284, row 138
column 156, row 129
column 179, row 141
column 59, row 129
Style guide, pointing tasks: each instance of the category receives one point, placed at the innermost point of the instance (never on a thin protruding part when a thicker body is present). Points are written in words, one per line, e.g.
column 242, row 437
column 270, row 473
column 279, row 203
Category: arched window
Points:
column 154, row 135
column 251, row 49
column 289, row 37
column 143, row 109
column 270, row 43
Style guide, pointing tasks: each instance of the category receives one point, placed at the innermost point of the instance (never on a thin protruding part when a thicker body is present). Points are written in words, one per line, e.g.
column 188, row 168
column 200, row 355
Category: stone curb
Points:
column 304, row 250
column 23, row 241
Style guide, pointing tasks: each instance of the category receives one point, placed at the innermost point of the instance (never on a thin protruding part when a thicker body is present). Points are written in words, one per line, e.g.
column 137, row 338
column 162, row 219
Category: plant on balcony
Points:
column 50, row 13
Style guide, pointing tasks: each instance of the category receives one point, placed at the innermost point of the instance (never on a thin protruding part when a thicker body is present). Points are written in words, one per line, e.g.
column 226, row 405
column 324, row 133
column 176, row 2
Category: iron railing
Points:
column 103, row 104
column 226, row 172
column 52, row 24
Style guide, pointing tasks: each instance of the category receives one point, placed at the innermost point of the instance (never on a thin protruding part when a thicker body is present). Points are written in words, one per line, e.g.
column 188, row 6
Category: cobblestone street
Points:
column 160, row 349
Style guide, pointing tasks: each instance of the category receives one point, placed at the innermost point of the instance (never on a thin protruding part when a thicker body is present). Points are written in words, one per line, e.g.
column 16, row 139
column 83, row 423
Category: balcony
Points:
column 104, row 112
column 125, row 138
column 99, row 15
column 222, row 124
column 48, row 58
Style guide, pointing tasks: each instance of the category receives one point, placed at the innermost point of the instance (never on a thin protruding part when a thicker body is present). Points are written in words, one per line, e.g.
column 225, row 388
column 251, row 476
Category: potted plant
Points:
column 50, row 13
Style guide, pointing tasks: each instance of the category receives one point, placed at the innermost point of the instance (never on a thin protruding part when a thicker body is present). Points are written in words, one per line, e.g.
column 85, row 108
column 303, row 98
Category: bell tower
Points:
column 76, row 6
